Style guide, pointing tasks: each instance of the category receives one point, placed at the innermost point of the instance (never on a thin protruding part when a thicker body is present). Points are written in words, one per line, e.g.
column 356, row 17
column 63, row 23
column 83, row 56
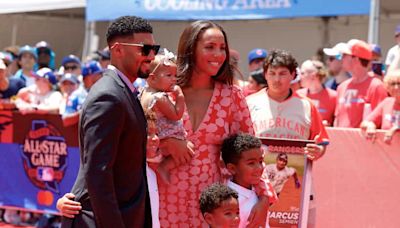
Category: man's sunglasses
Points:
column 146, row 48
column 336, row 57
column 70, row 67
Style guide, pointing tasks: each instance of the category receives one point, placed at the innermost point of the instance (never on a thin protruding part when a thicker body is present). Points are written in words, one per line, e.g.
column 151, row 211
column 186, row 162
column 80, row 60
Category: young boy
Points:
column 244, row 158
column 219, row 206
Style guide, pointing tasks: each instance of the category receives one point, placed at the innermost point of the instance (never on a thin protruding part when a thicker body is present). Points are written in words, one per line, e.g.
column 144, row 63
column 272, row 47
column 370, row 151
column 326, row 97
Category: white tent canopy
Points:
column 19, row 6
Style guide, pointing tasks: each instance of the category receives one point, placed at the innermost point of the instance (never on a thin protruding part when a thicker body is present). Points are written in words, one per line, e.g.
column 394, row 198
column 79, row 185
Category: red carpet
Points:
column 357, row 182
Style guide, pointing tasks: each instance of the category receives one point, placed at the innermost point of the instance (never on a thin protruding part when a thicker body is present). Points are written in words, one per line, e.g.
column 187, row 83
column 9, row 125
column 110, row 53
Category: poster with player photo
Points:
column 289, row 171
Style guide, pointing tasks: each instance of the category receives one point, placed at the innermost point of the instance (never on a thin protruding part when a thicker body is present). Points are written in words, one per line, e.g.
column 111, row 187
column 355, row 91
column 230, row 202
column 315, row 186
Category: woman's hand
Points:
column 181, row 151
column 67, row 206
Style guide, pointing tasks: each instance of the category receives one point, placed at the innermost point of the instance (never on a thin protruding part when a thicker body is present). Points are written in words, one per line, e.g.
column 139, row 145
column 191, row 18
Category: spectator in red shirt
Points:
column 312, row 74
column 360, row 92
column 387, row 115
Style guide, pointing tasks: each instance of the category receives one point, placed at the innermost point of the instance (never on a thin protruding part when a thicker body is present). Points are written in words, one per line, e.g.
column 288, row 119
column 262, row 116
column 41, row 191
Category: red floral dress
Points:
column 227, row 113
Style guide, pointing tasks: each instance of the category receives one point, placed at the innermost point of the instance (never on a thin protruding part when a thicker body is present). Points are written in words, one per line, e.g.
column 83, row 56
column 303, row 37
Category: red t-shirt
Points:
column 324, row 101
column 351, row 98
column 386, row 115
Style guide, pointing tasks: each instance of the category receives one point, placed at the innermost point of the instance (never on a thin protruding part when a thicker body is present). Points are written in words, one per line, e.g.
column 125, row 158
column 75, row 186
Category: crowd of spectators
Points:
column 31, row 83
column 352, row 88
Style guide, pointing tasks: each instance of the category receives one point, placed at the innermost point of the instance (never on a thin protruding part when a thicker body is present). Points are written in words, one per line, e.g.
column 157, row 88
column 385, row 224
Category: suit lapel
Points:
column 133, row 100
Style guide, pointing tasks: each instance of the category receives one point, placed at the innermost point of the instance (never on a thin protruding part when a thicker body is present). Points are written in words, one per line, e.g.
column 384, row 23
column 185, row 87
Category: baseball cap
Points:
column 282, row 156
column 44, row 47
column 360, row 49
column 27, row 49
column 13, row 50
column 336, row 50
column 104, row 54
column 376, row 49
column 2, row 65
column 397, row 30
column 6, row 57
column 48, row 74
column 257, row 53
column 91, row 67
column 69, row 77
column 70, row 59
column 42, row 44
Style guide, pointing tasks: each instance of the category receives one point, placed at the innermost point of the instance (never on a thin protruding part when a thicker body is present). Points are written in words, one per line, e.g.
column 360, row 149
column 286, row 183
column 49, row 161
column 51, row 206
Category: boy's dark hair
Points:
column 127, row 26
column 234, row 145
column 280, row 58
column 213, row 196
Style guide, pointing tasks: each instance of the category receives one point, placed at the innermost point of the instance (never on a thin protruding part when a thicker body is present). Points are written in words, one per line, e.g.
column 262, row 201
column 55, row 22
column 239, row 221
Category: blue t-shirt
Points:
column 75, row 101
column 332, row 84
column 15, row 84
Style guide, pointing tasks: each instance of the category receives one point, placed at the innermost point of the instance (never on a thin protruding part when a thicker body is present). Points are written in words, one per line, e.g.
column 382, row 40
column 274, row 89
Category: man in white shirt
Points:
column 394, row 51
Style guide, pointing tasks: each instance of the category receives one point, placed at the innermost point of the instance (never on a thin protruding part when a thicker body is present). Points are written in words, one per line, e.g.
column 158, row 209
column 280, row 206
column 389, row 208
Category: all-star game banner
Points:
column 286, row 166
column 39, row 160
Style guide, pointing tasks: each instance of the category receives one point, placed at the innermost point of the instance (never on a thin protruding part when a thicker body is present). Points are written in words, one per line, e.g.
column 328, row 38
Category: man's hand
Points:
column 259, row 213
column 181, row 151
column 67, row 206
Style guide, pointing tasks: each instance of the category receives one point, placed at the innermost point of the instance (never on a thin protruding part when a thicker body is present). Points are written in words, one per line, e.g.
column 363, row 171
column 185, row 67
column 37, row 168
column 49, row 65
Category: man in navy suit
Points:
column 111, row 185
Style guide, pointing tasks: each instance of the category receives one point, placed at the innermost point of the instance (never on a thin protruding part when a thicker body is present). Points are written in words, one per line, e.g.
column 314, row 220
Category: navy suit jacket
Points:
column 111, row 183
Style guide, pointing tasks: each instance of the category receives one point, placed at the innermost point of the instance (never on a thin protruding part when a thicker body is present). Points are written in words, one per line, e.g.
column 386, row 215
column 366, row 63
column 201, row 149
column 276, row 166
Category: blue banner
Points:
column 103, row 10
column 39, row 158
column 18, row 187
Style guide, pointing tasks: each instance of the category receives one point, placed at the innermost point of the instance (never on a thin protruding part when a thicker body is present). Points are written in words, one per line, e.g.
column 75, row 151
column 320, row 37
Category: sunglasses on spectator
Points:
column 146, row 48
column 44, row 51
column 70, row 67
column 336, row 57
column 394, row 83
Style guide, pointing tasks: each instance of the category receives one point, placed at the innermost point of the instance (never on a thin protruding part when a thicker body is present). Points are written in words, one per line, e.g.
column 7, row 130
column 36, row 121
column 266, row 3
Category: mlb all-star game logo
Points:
column 44, row 155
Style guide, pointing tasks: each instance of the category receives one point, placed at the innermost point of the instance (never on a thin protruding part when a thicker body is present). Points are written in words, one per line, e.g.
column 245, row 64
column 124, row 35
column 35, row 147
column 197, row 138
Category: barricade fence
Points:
column 40, row 160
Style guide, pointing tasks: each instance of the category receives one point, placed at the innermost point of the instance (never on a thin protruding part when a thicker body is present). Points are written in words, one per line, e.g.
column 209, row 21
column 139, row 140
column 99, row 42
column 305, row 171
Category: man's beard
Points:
column 142, row 74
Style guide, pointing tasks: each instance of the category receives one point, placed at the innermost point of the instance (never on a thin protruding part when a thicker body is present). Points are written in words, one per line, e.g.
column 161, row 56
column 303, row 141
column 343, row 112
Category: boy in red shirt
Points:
column 361, row 89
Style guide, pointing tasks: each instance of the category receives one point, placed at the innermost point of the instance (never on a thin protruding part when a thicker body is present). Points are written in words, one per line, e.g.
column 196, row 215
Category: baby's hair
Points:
column 212, row 197
column 234, row 145
column 165, row 59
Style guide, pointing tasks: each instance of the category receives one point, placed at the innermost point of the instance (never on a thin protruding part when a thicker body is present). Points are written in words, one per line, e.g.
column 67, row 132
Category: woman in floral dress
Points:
column 214, row 110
